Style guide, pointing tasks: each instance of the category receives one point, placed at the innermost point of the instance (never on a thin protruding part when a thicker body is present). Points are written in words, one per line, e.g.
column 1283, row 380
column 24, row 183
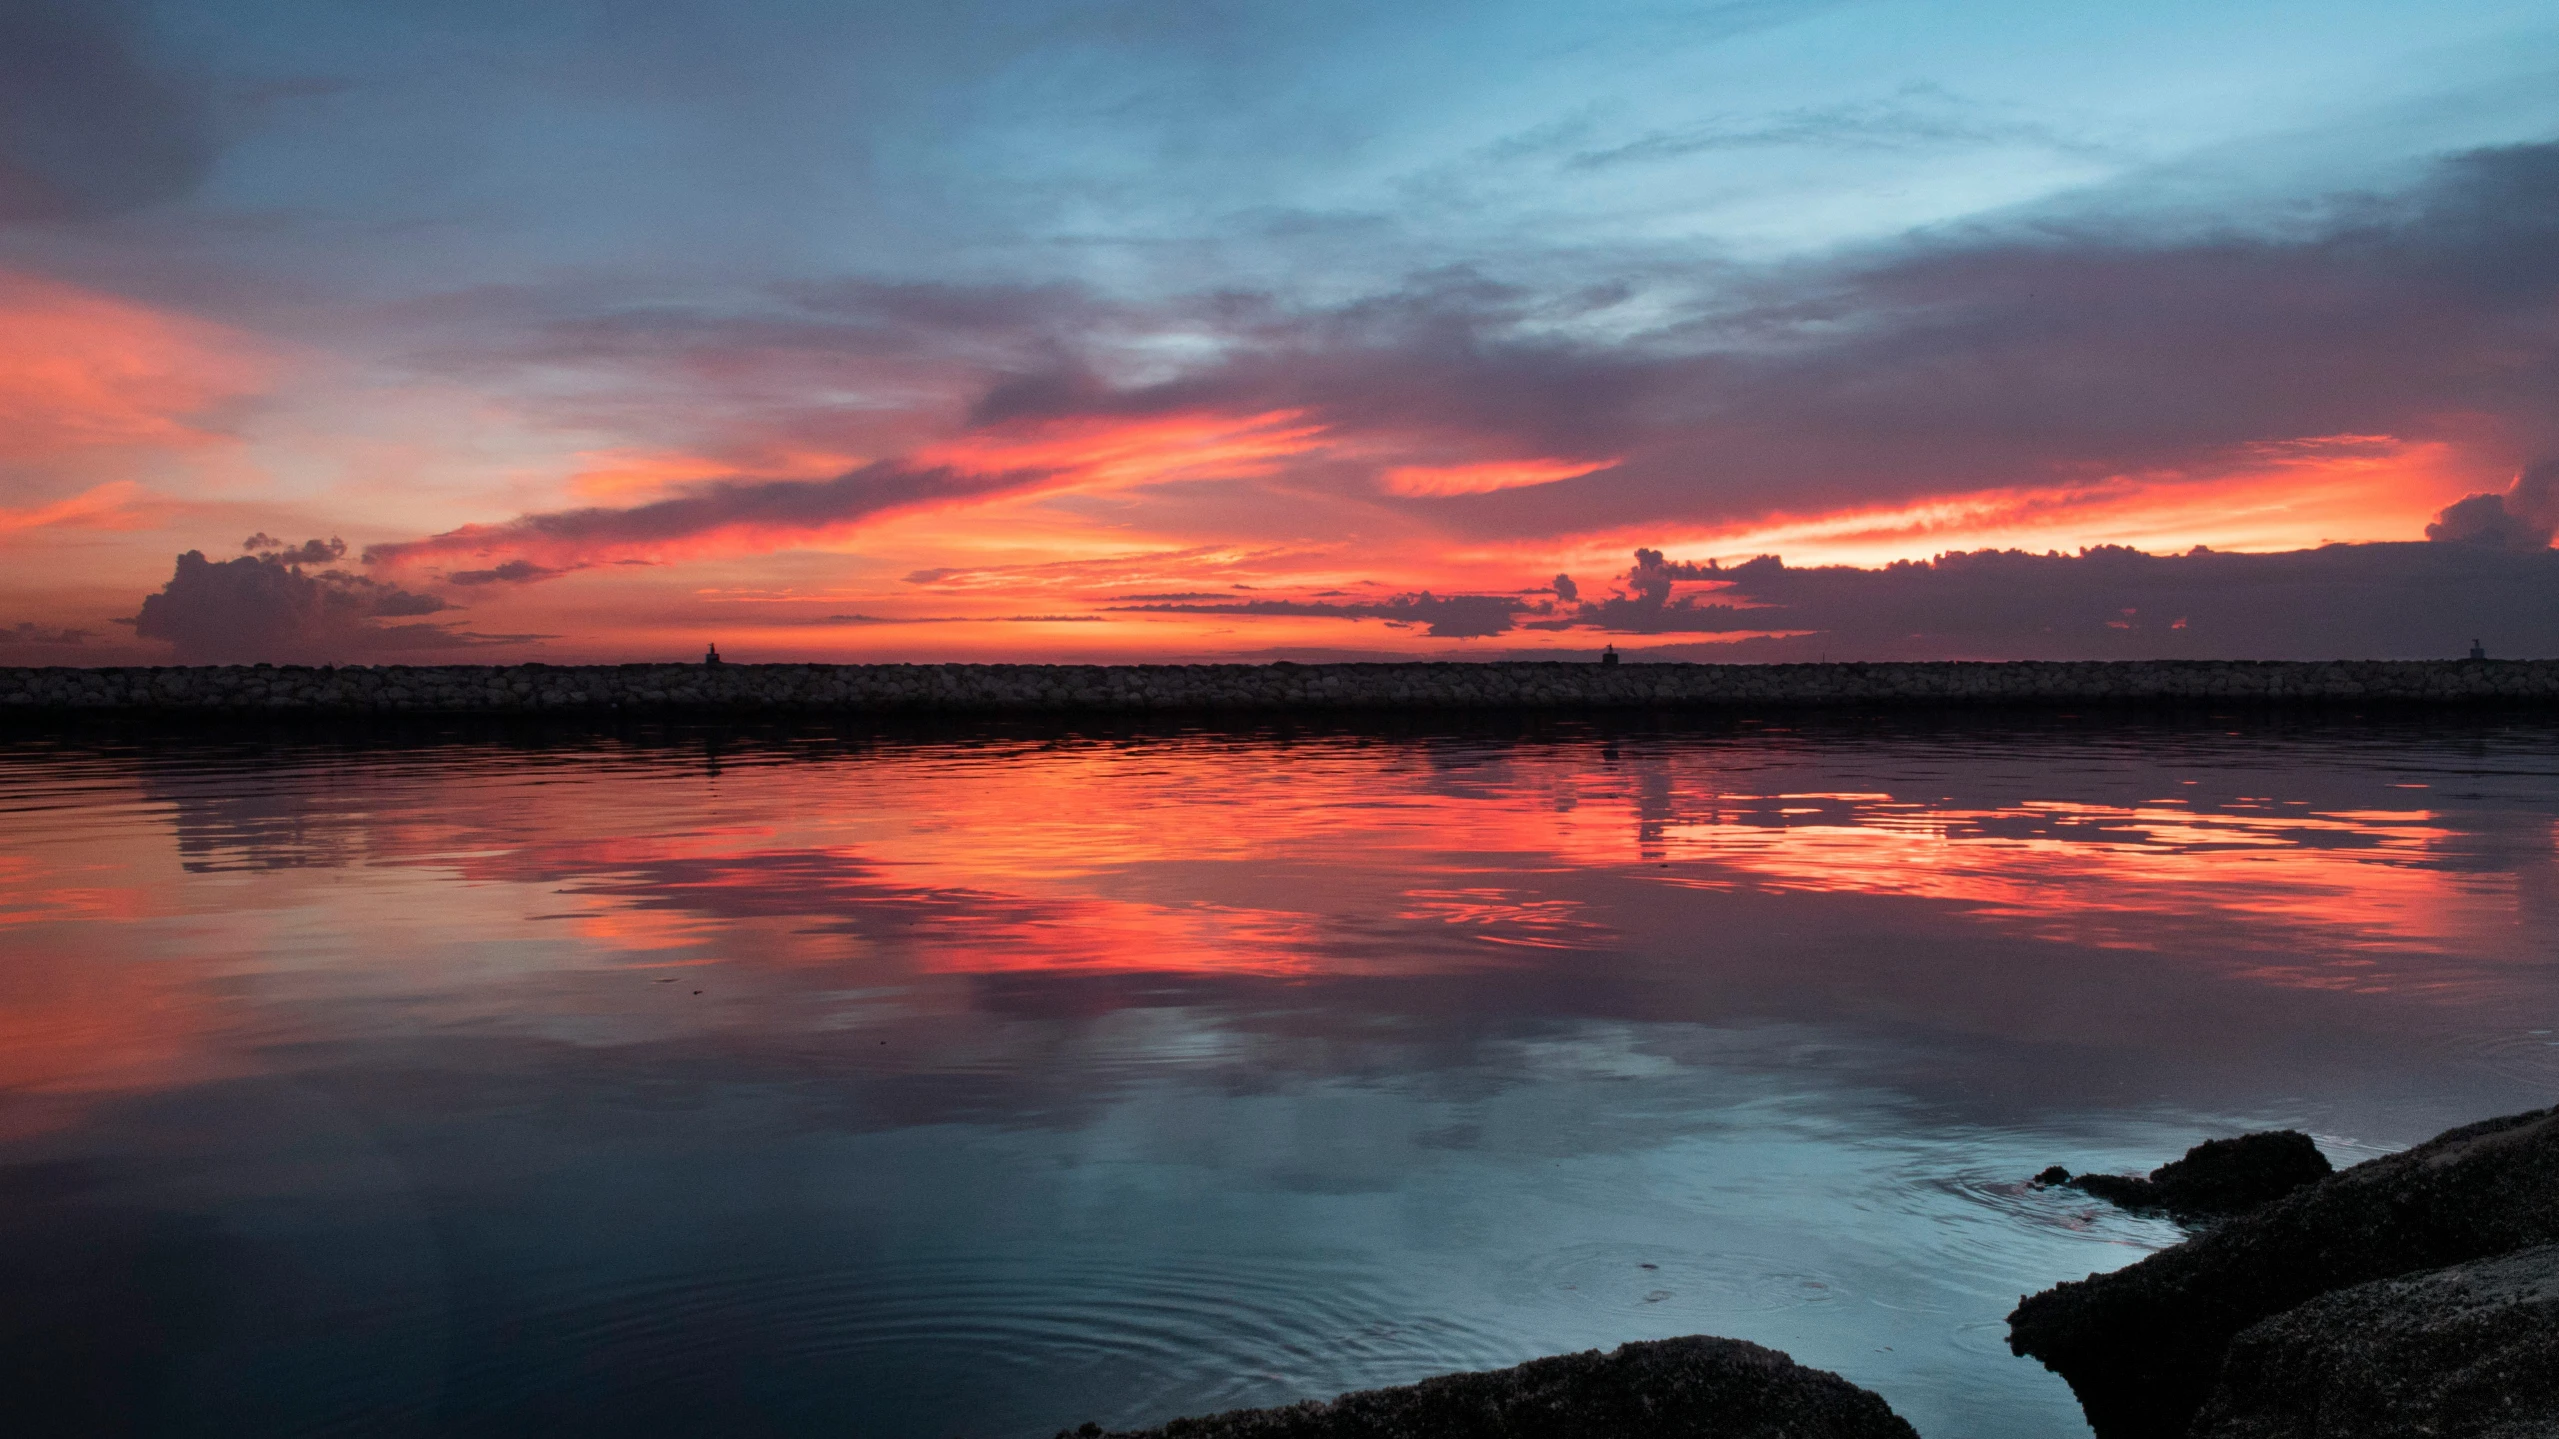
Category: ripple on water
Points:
column 1631, row 1277
column 1213, row 1330
column 1978, row 1234
column 2527, row 1055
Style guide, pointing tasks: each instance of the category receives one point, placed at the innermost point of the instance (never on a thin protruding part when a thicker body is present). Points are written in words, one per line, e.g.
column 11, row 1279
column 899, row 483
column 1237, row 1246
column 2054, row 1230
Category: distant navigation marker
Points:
column 2478, row 651
column 1608, row 656
column 711, row 656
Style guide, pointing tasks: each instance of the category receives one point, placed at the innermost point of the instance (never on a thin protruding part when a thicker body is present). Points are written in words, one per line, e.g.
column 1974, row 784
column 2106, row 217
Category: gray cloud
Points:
column 1441, row 616
column 273, row 607
column 2046, row 355
column 2408, row 600
column 1922, row 117
column 2338, row 601
column 89, row 124
column 309, row 552
column 2523, row 518
column 784, row 507
column 513, row 572
column 27, row 633
column 2056, row 355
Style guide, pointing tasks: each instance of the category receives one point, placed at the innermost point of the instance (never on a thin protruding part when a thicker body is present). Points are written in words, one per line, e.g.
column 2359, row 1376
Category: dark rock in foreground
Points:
column 2216, row 1179
column 2470, row 1352
column 2143, row 1346
column 1692, row 1388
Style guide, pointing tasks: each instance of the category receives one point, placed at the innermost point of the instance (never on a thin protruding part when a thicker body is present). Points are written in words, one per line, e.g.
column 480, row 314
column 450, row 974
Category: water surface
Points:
column 707, row 1081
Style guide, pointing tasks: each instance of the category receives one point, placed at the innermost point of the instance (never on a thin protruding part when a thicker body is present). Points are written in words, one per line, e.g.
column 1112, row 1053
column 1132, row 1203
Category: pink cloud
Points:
column 84, row 371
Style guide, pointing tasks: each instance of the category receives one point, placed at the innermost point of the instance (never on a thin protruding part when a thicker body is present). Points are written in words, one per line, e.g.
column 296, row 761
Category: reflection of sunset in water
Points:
column 334, row 879
column 1198, row 1069
column 2128, row 877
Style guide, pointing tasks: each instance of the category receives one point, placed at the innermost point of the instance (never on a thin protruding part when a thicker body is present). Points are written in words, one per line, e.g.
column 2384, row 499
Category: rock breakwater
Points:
column 1018, row 689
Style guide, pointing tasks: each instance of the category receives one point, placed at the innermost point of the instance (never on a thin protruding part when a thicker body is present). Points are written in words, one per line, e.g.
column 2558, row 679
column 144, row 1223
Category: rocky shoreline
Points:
column 1041, row 689
column 1691, row 1388
column 2413, row 1294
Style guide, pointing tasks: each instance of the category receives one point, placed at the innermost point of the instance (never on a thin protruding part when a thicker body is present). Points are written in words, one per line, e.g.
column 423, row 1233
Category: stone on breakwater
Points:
column 2469, row 1352
column 1692, row 1388
column 2218, row 1177
column 2143, row 1346
column 1031, row 689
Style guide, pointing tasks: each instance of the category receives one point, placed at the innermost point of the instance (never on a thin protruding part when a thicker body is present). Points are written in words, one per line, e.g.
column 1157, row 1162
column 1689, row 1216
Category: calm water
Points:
column 706, row 1082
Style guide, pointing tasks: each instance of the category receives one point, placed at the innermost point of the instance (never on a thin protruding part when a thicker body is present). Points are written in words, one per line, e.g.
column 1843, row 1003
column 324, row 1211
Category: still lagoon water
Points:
column 793, row 1082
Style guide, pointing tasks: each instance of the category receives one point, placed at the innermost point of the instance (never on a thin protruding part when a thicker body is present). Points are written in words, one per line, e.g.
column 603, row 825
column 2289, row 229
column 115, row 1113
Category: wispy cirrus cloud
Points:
column 1918, row 117
column 82, row 371
column 114, row 505
column 984, row 464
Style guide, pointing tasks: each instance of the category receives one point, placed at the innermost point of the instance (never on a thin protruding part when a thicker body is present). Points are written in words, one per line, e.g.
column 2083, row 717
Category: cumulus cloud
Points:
column 2523, row 518
column 47, row 636
column 273, row 605
column 309, row 552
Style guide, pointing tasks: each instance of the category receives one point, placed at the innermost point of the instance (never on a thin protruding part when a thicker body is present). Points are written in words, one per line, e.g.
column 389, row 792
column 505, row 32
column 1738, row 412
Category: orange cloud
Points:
column 2279, row 495
column 115, row 505
column 81, row 371
column 627, row 475
column 1107, row 450
column 1014, row 461
column 1439, row 481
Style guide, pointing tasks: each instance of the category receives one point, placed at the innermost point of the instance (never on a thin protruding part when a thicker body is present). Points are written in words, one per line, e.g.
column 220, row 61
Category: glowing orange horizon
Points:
column 2276, row 496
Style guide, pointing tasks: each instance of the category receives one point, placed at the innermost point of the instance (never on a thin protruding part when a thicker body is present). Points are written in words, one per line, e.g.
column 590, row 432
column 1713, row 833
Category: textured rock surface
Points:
column 2217, row 1178
column 1692, row 1388
column 369, row 689
column 2470, row 1352
column 2143, row 1346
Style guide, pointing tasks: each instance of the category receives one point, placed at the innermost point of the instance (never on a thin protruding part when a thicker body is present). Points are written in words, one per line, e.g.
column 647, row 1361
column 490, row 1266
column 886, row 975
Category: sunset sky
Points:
column 443, row 330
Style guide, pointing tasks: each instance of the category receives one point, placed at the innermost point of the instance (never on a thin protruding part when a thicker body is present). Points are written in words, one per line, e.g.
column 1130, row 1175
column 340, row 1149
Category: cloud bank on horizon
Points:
column 1126, row 329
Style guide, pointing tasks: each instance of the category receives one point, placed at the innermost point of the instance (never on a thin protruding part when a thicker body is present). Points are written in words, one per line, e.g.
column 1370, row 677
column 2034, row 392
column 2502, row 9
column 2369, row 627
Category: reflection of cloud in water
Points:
column 1194, row 1070
column 1958, row 883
